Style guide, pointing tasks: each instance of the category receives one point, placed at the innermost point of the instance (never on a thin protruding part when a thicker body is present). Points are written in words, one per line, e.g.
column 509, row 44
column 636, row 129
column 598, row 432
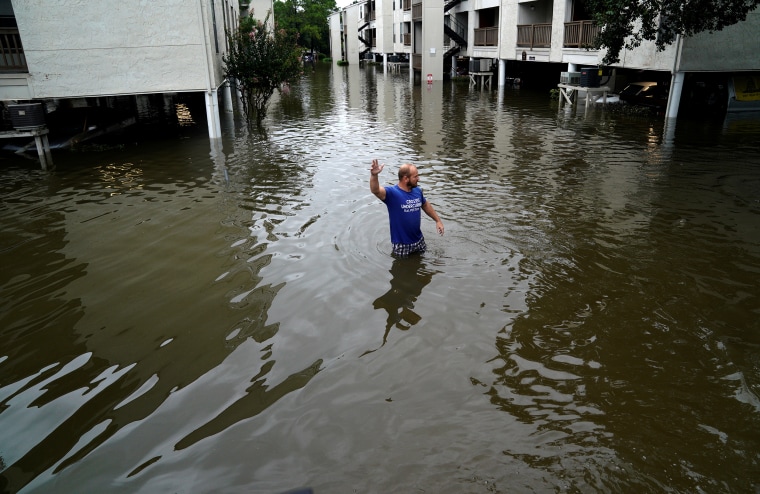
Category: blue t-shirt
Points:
column 404, row 214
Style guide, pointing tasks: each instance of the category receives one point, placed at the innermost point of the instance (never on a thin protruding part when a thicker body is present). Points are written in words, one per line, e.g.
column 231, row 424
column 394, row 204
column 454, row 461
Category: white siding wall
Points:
column 353, row 45
column 333, row 21
column 384, row 26
column 432, row 40
column 735, row 48
column 96, row 48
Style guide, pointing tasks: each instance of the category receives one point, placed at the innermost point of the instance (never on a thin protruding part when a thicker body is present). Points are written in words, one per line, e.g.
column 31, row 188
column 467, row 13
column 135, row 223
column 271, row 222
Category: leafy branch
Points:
column 260, row 61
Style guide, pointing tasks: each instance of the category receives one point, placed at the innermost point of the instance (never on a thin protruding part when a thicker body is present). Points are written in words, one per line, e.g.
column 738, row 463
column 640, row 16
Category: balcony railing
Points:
column 580, row 34
column 407, row 4
column 487, row 36
column 12, row 57
column 534, row 35
column 417, row 11
column 407, row 39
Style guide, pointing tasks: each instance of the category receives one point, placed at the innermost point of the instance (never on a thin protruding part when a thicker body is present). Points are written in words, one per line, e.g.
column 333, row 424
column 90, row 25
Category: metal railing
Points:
column 486, row 36
column 12, row 57
column 580, row 34
column 407, row 37
column 417, row 11
column 534, row 35
column 407, row 4
column 459, row 30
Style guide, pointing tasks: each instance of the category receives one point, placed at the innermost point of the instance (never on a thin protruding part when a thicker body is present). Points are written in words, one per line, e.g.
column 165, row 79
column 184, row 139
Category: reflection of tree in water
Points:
column 409, row 277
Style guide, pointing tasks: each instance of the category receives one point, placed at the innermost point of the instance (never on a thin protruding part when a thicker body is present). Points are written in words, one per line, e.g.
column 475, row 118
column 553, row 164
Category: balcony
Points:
column 407, row 5
column 534, row 35
column 580, row 34
column 12, row 57
column 487, row 36
column 407, row 39
column 417, row 11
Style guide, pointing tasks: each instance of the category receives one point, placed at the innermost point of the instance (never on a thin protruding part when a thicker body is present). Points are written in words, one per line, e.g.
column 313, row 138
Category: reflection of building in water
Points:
column 409, row 277
column 108, row 324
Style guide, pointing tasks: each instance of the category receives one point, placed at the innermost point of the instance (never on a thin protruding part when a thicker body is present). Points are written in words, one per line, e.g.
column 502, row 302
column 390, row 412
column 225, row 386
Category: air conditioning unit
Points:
column 480, row 65
column 591, row 76
column 570, row 78
column 27, row 115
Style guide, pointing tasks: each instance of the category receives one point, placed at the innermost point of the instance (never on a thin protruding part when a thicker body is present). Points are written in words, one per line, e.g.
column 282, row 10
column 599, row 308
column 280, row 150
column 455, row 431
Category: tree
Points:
column 308, row 19
column 626, row 23
column 260, row 61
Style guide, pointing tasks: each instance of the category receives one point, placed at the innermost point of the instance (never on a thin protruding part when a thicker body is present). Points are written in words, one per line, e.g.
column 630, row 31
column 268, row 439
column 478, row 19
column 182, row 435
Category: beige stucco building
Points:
column 68, row 49
column 521, row 36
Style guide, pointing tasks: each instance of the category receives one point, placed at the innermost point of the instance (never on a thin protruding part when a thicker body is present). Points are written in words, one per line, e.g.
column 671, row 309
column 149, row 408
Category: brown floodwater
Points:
column 177, row 316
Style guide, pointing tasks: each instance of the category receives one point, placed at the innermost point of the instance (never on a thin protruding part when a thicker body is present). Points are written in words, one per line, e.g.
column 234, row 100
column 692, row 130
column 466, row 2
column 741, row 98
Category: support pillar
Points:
column 43, row 148
column 502, row 72
column 212, row 114
column 674, row 97
column 227, row 96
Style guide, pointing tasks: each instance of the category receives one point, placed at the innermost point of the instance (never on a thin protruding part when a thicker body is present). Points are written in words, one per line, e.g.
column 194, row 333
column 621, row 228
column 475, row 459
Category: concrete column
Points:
column 212, row 114
column 453, row 66
column 432, row 40
column 674, row 98
column 227, row 96
column 571, row 67
column 502, row 72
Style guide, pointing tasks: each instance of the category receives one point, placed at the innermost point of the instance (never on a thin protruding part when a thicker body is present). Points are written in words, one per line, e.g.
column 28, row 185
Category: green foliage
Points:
column 308, row 20
column 260, row 61
column 626, row 23
column 342, row 62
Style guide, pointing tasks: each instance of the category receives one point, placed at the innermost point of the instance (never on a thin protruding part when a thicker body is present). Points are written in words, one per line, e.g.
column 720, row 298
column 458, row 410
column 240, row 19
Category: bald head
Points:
column 408, row 176
column 406, row 170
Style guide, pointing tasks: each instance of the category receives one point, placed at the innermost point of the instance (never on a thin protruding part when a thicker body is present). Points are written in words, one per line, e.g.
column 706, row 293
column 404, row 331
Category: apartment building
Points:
column 70, row 52
column 542, row 38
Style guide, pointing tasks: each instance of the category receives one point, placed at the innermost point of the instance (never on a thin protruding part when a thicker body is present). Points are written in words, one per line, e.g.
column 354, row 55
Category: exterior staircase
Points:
column 456, row 32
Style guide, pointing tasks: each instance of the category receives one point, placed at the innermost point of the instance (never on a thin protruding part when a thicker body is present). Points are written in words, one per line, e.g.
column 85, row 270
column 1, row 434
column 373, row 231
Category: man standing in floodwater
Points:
column 404, row 202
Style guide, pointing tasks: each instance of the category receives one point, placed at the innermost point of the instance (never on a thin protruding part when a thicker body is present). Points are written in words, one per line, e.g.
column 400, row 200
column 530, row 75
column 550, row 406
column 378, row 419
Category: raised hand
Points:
column 376, row 168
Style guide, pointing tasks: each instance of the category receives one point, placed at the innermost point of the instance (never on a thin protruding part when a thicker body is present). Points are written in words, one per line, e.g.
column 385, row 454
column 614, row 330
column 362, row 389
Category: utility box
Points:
column 27, row 115
column 591, row 76
column 570, row 78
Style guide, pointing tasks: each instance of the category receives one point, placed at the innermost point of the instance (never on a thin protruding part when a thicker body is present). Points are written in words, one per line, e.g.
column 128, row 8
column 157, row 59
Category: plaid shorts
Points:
column 404, row 250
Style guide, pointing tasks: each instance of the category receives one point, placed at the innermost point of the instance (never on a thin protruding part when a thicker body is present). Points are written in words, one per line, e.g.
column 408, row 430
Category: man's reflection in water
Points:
column 409, row 276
